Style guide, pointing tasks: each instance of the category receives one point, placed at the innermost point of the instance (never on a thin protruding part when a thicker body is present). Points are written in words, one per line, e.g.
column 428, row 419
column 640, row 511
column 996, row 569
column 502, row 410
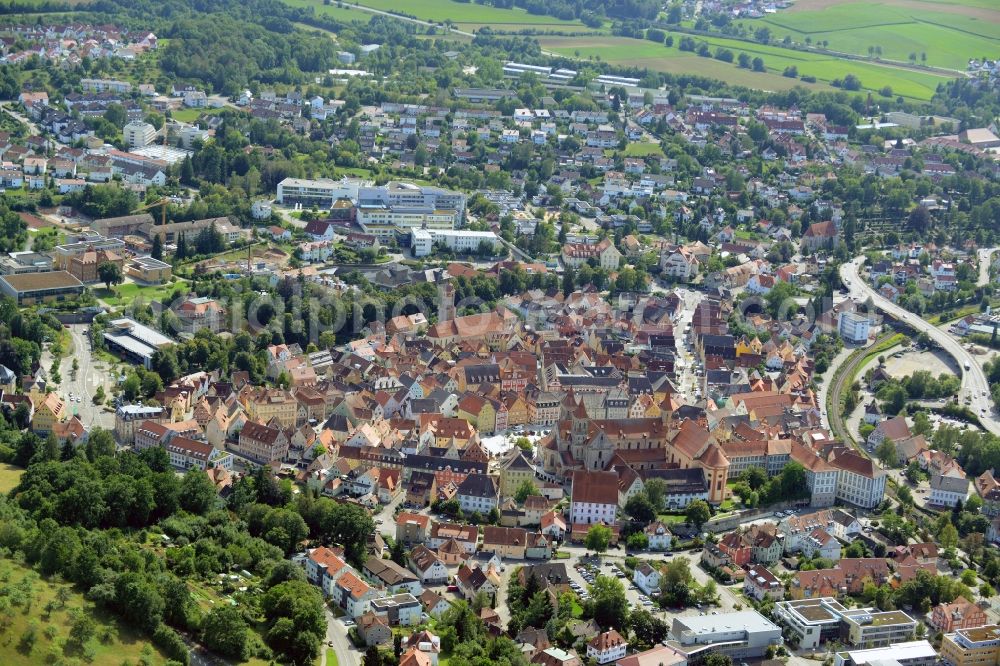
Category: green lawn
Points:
column 331, row 657
column 186, row 115
column 25, row 600
column 10, row 476
column 643, row 150
column 124, row 294
column 658, row 57
column 669, row 518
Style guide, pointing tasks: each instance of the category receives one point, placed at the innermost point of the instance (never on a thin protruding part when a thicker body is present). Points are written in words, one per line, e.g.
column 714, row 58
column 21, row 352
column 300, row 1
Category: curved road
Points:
column 974, row 382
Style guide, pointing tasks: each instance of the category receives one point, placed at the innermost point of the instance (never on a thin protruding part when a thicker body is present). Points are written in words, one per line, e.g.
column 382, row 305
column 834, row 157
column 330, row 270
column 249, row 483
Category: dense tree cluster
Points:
column 86, row 514
column 755, row 487
column 22, row 334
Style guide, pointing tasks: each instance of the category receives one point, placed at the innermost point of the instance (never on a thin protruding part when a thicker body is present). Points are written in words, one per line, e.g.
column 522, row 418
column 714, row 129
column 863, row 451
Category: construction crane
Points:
column 162, row 203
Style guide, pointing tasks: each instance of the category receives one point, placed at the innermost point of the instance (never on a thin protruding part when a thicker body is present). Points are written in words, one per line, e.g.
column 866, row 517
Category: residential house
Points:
column 607, row 647
column 759, row 583
column 647, row 578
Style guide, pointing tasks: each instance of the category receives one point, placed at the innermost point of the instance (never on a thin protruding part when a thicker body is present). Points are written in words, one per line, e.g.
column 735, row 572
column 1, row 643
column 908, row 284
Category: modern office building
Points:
column 813, row 621
column 384, row 222
column 972, row 647
column 16, row 263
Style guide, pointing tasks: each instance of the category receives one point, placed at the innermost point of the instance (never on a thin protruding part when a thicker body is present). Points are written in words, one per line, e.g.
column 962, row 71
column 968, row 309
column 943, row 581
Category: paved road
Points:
column 687, row 380
column 336, row 633
column 985, row 257
column 974, row 384
column 824, row 384
column 9, row 108
column 84, row 381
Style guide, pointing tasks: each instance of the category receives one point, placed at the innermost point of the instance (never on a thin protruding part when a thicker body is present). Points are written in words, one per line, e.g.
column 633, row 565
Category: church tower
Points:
column 581, row 425
column 446, row 302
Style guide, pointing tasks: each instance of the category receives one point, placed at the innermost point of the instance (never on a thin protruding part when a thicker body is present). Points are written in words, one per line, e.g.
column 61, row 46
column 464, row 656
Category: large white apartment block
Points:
column 854, row 327
column 138, row 134
column 461, row 240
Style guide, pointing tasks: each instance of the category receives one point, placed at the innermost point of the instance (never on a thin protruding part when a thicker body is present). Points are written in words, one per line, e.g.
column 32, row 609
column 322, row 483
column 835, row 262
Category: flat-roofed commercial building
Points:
column 813, row 621
column 409, row 195
column 869, row 628
column 383, row 221
column 30, row 288
column 743, row 634
column 134, row 341
column 972, row 647
column 911, row 653
column 148, row 270
column 17, row 263
column 810, row 621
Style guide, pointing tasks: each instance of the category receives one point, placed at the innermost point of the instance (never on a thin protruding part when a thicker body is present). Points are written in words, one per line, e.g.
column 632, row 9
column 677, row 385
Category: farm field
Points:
column 34, row 609
column 625, row 51
column 658, row 58
column 948, row 33
column 471, row 16
column 345, row 13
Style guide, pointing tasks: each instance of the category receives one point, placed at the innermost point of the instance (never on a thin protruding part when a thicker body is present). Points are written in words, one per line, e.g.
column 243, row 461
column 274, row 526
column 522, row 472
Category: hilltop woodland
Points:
column 134, row 537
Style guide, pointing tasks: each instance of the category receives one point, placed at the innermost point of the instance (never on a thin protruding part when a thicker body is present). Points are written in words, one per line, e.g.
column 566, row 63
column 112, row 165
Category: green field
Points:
column 344, row 13
column 30, row 606
column 465, row 16
column 949, row 35
column 657, row 57
column 186, row 115
column 643, row 150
